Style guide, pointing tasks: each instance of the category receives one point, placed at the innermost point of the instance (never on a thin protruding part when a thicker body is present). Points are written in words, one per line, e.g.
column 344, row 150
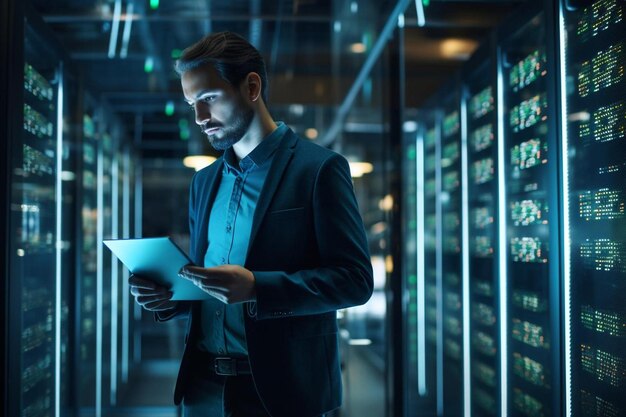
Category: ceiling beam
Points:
column 91, row 17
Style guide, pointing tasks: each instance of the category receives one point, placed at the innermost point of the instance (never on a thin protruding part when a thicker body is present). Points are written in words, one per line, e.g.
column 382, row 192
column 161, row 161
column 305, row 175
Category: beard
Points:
column 226, row 137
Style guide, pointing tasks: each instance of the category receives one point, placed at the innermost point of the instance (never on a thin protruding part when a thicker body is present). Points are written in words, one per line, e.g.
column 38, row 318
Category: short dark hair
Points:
column 232, row 56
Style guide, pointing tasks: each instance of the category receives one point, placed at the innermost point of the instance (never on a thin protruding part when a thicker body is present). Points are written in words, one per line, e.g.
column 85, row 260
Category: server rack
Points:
column 42, row 160
column 6, row 38
column 420, row 263
column 68, row 312
column 551, row 172
column 412, row 146
column 120, row 300
column 528, row 114
column 85, row 305
column 593, row 87
column 70, row 211
column 450, row 200
column 481, row 121
column 432, row 257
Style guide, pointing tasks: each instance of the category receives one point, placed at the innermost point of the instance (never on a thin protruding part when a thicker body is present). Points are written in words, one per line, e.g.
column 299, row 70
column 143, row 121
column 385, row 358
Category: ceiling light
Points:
column 198, row 162
column 386, row 203
column 389, row 264
column 296, row 109
column 337, row 26
column 358, row 169
column 311, row 133
column 409, row 126
column 378, row 228
column 360, row 342
column 460, row 49
column 354, row 7
column 154, row 4
column 357, row 48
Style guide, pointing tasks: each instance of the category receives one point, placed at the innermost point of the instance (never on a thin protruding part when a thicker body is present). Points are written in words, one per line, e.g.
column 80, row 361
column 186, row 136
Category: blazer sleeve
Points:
column 344, row 276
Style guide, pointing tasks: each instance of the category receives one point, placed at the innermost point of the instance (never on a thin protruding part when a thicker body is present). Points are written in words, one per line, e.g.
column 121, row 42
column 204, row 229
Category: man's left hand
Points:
column 228, row 283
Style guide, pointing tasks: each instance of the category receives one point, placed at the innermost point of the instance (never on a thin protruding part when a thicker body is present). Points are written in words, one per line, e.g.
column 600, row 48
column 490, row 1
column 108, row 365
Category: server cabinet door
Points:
column 35, row 227
column 420, row 263
column 450, row 200
column 594, row 160
column 482, row 210
column 532, row 261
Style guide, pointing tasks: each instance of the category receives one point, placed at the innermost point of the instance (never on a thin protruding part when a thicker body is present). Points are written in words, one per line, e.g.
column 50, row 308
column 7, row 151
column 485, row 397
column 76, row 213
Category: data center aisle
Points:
column 152, row 387
column 151, row 393
column 364, row 383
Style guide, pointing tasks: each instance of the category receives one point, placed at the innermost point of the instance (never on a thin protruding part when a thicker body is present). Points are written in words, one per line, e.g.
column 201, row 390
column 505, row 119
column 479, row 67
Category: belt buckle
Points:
column 225, row 366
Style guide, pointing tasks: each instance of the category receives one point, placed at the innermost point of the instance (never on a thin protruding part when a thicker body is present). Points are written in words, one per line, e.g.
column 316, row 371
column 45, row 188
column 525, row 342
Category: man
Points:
column 279, row 244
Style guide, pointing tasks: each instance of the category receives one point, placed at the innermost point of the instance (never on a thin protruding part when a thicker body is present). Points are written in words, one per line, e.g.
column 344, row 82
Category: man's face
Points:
column 220, row 108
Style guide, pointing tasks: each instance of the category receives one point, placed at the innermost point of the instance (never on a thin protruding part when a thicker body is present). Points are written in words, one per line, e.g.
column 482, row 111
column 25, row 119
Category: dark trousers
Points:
column 216, row 396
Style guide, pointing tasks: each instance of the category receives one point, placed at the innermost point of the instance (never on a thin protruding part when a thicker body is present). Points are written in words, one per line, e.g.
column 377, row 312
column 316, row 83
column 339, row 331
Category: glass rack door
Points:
column 450, row 198
column 594, row 158
column 483, row 193
column 532, row 261
column 34, row 267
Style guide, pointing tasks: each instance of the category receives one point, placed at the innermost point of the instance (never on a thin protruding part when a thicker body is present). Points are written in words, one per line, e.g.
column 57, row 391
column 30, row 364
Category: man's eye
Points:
column 209, row 99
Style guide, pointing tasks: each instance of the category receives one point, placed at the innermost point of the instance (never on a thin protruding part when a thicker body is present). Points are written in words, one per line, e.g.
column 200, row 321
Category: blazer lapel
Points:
column 277, row 169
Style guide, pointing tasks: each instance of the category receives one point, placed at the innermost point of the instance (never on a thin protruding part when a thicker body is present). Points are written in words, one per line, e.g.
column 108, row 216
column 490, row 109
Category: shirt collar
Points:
column 260, row 154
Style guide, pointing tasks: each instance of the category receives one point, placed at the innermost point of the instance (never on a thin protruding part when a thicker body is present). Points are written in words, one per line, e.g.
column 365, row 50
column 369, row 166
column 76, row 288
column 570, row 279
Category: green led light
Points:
column 411, row 153
column 426, row 2
column 176, row 53
column 169, row 108
column 183, row 129
column 148, row 65
column 154, row 4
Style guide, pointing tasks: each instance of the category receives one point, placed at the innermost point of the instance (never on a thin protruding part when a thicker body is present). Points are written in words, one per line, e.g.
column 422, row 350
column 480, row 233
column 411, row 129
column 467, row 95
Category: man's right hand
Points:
column 151, row 296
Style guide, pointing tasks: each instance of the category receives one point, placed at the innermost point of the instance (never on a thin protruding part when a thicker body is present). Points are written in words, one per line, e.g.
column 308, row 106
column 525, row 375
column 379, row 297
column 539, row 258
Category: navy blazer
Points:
column 309, row 256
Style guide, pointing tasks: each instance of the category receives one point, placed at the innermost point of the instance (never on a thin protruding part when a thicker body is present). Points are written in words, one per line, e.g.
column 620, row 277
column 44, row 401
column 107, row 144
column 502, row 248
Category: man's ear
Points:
column 252, row 86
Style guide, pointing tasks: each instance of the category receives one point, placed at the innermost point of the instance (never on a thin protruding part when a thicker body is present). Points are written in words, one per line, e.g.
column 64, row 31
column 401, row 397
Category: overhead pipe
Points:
column 128, row 24
column 115, row 28
column 377, row 49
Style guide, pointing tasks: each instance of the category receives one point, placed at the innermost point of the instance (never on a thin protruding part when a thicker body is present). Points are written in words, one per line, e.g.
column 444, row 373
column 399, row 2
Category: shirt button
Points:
column 218, row 313
column 220, row 350
column 223, row 260
column 228, row 228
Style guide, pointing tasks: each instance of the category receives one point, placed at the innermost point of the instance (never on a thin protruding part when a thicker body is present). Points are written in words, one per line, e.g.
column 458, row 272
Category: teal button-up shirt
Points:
column 230, row 225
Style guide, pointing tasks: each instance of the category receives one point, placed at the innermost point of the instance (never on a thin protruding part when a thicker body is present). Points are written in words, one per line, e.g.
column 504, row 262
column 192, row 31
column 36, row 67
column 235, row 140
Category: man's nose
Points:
column 203, row 114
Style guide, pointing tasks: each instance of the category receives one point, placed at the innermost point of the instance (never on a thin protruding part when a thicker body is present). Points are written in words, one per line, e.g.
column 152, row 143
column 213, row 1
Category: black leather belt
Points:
column 231, row 366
